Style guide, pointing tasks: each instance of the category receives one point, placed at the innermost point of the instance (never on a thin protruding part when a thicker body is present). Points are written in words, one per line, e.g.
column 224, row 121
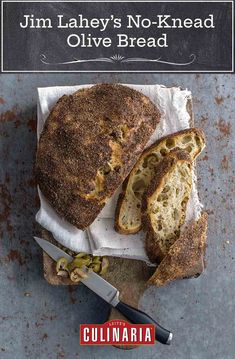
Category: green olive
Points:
column 104, row 266
column 62, row 273
column 76, row 275
column 96, row 259
column 81, row 254
column 81, row 272
column 87, row 256
column 95, row 267
column 79, row 263
column 62, row 264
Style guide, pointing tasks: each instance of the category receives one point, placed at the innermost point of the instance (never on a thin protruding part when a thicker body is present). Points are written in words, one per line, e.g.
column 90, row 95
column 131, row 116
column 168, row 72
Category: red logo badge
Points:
column 117, row 332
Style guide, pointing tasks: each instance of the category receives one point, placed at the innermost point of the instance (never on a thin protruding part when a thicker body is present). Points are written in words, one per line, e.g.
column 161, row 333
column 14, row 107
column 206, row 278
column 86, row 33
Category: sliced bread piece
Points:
column 164, row 203
column 128, row 210
column 185, row 258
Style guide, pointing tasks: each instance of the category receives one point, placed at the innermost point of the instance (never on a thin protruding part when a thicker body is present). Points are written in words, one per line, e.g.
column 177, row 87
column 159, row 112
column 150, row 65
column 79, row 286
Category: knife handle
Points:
column 136, row 316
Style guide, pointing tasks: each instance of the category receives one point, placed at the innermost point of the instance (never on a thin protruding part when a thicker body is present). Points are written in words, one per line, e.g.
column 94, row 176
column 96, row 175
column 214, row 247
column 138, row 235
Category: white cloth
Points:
column 100, row 238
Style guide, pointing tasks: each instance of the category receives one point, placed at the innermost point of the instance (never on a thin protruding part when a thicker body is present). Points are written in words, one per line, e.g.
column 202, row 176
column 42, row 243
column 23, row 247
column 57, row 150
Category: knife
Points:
column 109, row 293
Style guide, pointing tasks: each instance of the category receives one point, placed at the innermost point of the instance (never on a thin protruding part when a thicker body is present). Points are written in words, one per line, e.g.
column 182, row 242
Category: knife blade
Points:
column 93, row 281
column 109, row 293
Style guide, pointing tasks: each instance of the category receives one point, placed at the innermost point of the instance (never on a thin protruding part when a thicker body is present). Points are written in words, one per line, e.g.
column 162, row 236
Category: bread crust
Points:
column 120, row 200
column 196, row 131
column 89, row 144
column 193, row 130
column 185, row 258
column 152, row 247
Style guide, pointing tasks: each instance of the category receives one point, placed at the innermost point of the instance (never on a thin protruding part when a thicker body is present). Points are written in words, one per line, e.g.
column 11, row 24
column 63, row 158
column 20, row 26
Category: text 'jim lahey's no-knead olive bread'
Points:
column 89, row 144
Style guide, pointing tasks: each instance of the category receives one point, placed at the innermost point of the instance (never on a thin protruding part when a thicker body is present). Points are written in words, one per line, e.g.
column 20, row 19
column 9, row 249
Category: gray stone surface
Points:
column 41, row 321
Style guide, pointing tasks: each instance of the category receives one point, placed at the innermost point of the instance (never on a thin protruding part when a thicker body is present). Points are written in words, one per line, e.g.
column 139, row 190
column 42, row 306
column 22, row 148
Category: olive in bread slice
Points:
column 128, row 210
column 185, row 258
column 164, row 203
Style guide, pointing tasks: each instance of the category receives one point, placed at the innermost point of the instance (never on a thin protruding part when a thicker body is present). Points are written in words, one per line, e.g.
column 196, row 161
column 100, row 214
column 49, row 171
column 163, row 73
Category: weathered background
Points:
column 41, row 321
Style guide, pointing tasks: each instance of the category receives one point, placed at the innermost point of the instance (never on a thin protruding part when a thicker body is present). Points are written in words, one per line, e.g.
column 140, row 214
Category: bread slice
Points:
column 185, row 258
column 164, row 203
column 128, row 210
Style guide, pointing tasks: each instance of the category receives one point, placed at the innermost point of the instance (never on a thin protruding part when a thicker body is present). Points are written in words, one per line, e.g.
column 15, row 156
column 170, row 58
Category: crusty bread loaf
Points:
column 164, row 203
column 185, row 258
column 90, row 142
column 128, row 210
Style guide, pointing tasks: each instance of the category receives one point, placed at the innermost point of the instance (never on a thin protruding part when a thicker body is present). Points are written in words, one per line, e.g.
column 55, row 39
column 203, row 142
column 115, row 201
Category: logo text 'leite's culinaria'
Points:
column 117, row 332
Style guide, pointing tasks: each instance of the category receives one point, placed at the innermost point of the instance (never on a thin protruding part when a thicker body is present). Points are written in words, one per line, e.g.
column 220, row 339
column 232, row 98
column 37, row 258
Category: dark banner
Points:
column 117, row 36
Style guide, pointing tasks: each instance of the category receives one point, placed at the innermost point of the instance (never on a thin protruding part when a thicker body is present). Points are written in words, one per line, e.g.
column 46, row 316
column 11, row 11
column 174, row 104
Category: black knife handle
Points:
column 136, row 316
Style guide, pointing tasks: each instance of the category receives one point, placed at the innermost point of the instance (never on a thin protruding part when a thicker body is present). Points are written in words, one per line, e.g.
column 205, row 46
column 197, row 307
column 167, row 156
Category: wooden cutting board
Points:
column 129, row 276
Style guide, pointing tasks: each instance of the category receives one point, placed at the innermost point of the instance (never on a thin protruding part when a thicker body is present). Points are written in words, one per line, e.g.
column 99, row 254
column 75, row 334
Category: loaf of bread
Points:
column 90, row 142
column 128, row 210
column 164, row 203
column 185, row 258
